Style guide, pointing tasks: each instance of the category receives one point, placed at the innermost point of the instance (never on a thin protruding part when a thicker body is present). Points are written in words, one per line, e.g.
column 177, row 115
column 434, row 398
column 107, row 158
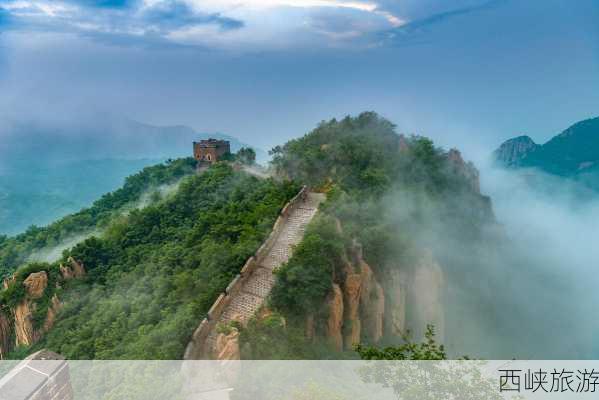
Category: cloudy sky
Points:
column 465, row 72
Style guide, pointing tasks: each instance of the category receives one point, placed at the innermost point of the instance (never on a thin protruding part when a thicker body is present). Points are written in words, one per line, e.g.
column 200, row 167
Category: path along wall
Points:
column 224, row 299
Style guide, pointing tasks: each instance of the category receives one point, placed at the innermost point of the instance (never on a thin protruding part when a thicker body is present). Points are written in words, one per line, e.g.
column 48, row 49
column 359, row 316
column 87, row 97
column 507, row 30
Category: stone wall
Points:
column 42, row 376
column 209, row 323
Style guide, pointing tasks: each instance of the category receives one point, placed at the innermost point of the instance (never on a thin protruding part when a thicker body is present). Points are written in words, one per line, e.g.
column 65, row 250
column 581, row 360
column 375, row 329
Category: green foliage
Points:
column 246, row 155
column 427, row 375
column 396, row 195
column 155, row 272
column 303, row 283
column 427, row 350
column 16, row 250
column 275, row 338
column 363, row 156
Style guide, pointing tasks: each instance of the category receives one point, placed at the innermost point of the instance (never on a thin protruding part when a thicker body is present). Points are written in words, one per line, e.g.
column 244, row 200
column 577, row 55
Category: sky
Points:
column 467, row 73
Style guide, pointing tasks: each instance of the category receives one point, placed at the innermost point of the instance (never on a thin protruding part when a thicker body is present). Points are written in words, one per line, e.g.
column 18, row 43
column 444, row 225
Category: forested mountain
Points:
column 402, row 218
column 144, row 281
column 574, row 153
column 51, row 169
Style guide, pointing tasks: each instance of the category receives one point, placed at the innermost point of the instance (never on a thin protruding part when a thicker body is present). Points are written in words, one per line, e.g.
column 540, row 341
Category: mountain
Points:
column 48, row 170
column 143, row 274
column 512, row 151
column 153, row 271
column 574, row 153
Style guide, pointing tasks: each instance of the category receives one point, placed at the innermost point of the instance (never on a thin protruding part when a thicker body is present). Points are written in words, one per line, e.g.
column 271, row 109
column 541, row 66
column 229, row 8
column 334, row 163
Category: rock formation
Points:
column 35, row 284
column 395, row 289
column 227, row 346
column 24, row 334
column 351, row 299
column 512, row 151
column 17, row 325
column 465, row 169
column 372, row 304
column 425, row 299
column 75, row 270
column 366, row 304
column 5, row 335
column 335, row 319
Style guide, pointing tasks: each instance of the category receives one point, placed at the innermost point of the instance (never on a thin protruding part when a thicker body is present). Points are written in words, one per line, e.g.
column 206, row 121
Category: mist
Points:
column 527, row 290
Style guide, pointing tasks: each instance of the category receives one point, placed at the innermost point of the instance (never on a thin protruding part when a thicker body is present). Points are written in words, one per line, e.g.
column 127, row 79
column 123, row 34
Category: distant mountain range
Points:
column 574, row 153
column 49, row 170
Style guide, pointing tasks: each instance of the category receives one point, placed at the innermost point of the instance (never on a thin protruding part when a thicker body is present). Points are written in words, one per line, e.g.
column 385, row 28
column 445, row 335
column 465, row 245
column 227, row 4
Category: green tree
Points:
column 246, row 155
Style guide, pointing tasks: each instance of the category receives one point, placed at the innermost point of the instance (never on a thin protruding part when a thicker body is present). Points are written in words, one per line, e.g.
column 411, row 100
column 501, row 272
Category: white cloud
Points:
column 36, row 8
column 232, row 4
column 235, row 24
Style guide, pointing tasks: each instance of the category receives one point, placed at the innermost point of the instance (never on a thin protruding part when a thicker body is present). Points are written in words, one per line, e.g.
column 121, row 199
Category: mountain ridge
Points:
column 572, row 153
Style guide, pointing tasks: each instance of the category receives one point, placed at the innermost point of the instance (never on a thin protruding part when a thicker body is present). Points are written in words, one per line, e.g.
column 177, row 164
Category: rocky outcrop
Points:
column 24, row 334
column 425, row 299
column 7, row 282
column 465, row 169
column 513, row 151
column 395, row 290
column 335, row 318
column 35, row 284
column 17, row 325
column 5, row 335
column 351, row 298
column 75, row 270
column 227, row 346
column 372, row 304
column 55, row 306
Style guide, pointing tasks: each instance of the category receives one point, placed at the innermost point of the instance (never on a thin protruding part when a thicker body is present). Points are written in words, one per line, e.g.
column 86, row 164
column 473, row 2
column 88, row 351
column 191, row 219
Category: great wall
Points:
column 250, row 288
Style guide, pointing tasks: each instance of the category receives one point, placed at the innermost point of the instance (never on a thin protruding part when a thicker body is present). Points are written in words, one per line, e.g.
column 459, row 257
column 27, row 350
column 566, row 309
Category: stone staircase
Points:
column 248, row 291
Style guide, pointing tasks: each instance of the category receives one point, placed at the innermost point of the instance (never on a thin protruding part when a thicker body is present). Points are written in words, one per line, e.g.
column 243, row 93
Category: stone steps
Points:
column 257, row 287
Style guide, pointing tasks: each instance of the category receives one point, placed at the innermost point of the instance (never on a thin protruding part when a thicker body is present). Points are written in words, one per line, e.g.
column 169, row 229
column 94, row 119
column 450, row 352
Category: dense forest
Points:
column 16, row 250
column 154, row 267
column 153, row 273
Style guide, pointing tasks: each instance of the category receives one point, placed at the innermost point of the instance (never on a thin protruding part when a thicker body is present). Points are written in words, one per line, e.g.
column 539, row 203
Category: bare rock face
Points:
column 53, row 310
column 351, row 298
column 6, row 344
column 395, row 307
column 66, row 272
column 335, row 320
column 466, row 169
column 75, row 270
column 512, row 151
column 78, row 268
column 35, row 284
column 8, row 281
column 227, row 346
column 24, row 333
column 426, row 297
column 372, row 303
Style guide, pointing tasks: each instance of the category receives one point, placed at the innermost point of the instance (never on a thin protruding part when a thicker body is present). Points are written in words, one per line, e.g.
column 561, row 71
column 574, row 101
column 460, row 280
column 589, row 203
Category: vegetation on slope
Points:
column 154, row 273
column 367, row 170
column 15, row 251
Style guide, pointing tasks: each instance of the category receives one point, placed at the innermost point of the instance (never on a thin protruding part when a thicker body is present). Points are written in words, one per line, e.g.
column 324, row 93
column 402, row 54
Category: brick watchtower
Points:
column 210, row 150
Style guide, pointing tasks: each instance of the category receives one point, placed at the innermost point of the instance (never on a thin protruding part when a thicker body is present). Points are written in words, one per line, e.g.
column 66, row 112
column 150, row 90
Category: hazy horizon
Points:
column 468, row 75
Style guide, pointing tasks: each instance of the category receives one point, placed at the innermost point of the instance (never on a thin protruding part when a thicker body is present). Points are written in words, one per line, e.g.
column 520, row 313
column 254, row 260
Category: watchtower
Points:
column 210, row 150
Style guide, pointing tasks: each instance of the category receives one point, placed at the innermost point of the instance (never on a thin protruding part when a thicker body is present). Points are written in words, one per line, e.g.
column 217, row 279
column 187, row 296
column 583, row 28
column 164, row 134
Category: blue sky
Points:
column 467, row 73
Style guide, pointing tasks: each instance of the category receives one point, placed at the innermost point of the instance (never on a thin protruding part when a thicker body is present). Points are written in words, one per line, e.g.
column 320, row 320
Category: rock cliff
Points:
column 367, row 304
column 464, row 169
column 513, row 151
column 18, row 326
